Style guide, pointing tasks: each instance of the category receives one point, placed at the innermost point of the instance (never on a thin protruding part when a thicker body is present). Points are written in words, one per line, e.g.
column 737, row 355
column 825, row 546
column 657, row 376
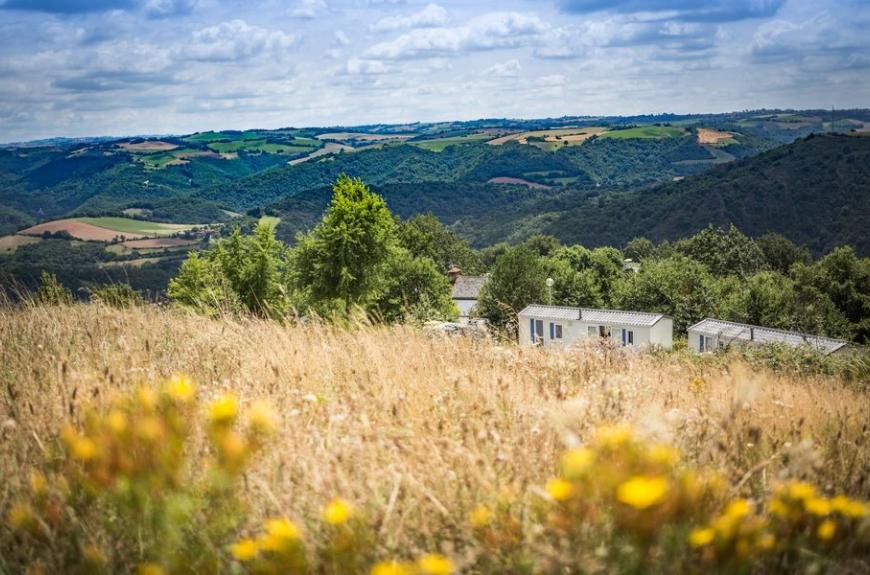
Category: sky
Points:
column 123, row 67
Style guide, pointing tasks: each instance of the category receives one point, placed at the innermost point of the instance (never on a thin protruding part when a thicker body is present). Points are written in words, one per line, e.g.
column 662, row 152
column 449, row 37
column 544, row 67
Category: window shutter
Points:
column 552, row 330
column 532, row 328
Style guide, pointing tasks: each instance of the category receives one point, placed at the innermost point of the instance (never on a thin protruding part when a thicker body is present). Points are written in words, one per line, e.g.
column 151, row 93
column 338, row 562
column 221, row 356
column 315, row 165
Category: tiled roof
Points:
column 602, row 316
column 468, row 287
column 729, row 331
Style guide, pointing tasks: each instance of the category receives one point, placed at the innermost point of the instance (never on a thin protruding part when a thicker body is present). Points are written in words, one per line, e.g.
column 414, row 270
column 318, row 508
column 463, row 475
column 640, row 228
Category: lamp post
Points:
column 550, row 283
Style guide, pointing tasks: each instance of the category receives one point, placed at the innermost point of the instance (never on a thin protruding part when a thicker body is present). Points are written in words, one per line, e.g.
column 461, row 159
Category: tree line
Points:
column 362, row 260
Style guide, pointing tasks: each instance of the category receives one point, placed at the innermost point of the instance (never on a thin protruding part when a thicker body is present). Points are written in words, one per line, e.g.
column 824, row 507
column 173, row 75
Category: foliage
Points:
column 343, row 257
column 116, row 295
column 240, row 271
column 780, row 253
column 724, row 252
column 52, row 292
column 425, row 236
column 124, row 492
column 639, row 249
column 517, row 279
column 414, row 290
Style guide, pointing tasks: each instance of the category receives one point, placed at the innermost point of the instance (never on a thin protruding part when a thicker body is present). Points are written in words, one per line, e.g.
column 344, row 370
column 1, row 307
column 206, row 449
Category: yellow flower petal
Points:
column 434, row 564
column 701, row 537
column 337, row 512
column 642, row 492
column 560, row 490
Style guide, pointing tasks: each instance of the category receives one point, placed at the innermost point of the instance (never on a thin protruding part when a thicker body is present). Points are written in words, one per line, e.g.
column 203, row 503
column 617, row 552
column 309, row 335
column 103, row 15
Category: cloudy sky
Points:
column 122, row 67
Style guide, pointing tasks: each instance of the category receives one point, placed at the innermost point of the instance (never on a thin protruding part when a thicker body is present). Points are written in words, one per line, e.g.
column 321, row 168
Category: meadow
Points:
column 424, row 453
column 651, row 131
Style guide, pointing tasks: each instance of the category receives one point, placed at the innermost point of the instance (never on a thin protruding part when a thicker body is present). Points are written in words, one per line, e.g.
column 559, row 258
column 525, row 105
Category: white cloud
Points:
column 429, row 17
column 509, row 69
column 167, row 8
column 235, row 40
column 309, row 9
column 341, row 38
column 487, row 32
column 361, row 67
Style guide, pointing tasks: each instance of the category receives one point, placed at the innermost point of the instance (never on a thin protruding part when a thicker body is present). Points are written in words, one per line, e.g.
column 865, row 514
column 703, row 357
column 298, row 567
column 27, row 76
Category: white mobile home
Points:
column 710, row 334
column 556, row 325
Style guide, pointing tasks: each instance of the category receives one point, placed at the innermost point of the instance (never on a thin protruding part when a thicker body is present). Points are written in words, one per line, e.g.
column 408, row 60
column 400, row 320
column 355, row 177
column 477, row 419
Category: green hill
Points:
column 815, row 191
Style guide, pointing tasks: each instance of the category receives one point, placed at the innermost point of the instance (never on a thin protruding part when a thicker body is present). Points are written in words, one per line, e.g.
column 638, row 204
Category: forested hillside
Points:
column 816, row 192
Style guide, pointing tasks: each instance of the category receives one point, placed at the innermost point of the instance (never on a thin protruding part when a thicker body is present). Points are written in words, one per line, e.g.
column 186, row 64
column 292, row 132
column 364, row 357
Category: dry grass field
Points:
column 79, row 230
column 416, row 430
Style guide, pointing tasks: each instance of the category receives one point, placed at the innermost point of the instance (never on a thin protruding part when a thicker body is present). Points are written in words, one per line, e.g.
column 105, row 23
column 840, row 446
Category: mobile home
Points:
column 556, row 325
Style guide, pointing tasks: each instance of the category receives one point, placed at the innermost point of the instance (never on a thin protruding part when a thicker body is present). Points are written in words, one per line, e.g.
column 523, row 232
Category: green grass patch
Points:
column 439, row 144
column 127, row 225
column 645, row 132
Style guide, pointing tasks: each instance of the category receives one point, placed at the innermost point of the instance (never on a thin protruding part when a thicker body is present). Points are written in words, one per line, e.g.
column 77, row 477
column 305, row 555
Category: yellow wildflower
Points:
column 337, row 512
column 82, row 448
column 827, row 529
column 480, row 516
column 559, row 489
column 701, row 537
column 37, row 483
column 848, row 507
column 818, row 506
column 283, row 528
column 262, row 418
column 664, row 455
column 575, row 462
column 642, row 492
column 224, row 410
column 181, row 388
column 20, row 516
column 391, row 568
column 738, row 509
column 149, row 428
column 150, row 569
column 801, row 490
column 614, row 436
column 245, row 550
column 147, row 399
column 434, row 564
column 117, row 421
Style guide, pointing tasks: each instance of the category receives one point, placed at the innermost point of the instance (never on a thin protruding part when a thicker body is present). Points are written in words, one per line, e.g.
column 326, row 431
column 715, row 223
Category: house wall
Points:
column 465, row 306
column 695, row 340
column 662, row 333
column 575, row 331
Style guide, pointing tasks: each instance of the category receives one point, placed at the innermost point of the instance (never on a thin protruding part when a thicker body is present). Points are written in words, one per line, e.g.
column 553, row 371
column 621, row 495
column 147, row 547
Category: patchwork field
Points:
column 439, row 144
column 645, row 132
column 362, row 136
column 148, row 146
column 11, row 243
column 157, row 243
column 715, row 137
column 517, row 181
column 106, row 229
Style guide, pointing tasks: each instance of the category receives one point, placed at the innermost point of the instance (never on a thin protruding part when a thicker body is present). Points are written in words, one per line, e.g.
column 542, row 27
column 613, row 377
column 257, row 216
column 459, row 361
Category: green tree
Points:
column 51, row 291
column 518, row 278
column 572, row 287
column 343, row 257
column 724, row 252
column 640, row 249
column 239, row 272
column 543, row 245
column 425, row 236
column 780, row 253
column 414, row 290
column 677, row 286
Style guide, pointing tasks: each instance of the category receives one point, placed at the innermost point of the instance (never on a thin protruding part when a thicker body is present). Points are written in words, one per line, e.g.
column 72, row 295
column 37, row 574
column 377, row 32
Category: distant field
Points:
column 11, row 243
column 149, row 146
column 439, row 144
column 517, row 182
column 569, row 136
column 106, row 229
column 329, row 148
column 154, row 243
column 645, row 132
column 715, row 137
column 362, row 136
column 258, row 146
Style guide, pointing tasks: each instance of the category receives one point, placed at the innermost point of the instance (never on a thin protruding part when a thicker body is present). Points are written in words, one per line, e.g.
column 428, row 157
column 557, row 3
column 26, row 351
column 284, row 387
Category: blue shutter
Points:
column 532, row 328
column 701, row 344
column 552, row 330
column 624, row 337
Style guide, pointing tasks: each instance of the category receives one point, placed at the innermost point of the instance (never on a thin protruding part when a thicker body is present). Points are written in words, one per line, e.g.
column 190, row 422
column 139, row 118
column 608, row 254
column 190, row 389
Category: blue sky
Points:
column 120, row 67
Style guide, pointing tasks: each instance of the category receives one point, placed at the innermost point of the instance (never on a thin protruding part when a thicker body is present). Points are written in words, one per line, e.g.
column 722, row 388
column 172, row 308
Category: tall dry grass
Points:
column 413, row 428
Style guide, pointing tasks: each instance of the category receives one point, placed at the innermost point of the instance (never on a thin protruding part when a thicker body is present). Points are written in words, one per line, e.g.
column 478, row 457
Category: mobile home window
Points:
column 630, row 337
column 558, row 331
column 539, row 329
column 593, row 330
column 603, row 331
